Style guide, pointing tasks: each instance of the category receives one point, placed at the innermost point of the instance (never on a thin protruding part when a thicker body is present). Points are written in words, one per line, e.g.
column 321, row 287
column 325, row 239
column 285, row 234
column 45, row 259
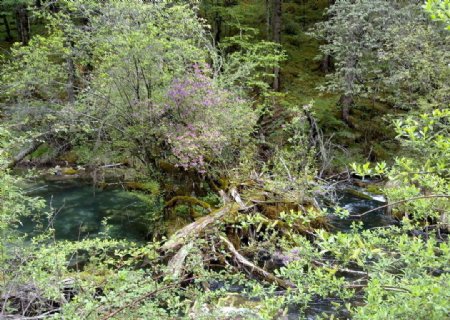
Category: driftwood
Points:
column 176, row 264
column 44, row 315
column 112, row 165
column 193, row 229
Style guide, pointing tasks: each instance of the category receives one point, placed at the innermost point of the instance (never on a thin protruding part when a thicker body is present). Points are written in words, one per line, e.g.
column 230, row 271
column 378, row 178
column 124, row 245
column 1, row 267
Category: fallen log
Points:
column 25, row 152
column 196, row 227
column 175, row 265
column 188, row 200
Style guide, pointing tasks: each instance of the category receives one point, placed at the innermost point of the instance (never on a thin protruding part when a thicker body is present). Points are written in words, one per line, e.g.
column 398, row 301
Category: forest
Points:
column 224, row 159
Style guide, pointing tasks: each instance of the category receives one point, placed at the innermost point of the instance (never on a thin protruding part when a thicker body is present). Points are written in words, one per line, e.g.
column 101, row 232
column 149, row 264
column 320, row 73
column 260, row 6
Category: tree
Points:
column 368, row 41
column 4, row 15
column 20, row 10
column 115, row 69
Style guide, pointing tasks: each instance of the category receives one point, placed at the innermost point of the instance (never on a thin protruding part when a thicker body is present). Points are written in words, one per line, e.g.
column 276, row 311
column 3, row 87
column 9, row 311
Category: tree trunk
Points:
column 70, row 80
column 346, row 101
column 268, row 20
column 7, row 28
column 22, row 22
column 326, row 65
column 276, row 28
column 218, row 33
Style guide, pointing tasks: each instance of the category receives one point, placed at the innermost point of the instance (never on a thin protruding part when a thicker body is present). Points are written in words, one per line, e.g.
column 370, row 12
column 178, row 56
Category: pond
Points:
column 79, row 210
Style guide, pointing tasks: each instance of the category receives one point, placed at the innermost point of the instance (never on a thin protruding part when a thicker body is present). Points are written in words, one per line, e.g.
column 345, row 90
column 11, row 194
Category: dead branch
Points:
column 196, row 227
column 176, row 264
column 261, row 272
column 402, row 201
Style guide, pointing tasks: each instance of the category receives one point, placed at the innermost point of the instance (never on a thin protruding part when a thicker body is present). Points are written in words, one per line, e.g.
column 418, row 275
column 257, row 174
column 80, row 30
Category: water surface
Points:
column 78, row 210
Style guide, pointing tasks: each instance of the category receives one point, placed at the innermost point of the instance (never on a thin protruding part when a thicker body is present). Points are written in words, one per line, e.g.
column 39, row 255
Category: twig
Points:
column 387, row 288
column 345, row 270
column 401, row 201
column 143, row 297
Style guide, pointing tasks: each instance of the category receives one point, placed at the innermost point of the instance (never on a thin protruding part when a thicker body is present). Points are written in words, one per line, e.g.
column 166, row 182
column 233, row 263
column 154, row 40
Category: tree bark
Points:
column 269, row 20
column 218, row 31
column 345, row 102
column 22, row 23
column 326, row 65
column 7, row 28
column 276, row 31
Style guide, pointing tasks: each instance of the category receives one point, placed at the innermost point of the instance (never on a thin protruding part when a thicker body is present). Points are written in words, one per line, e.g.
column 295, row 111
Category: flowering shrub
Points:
column 205, row 121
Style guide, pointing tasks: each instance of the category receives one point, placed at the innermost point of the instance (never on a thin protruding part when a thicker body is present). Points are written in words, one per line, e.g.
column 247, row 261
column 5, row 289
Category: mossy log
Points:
column 195, row 228
column 189, row 200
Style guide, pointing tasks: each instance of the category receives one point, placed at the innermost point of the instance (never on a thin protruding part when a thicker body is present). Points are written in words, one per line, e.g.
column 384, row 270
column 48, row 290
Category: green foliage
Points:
column 15, row 205
column 424, row 171
column 249, row 62
column 126, row 79
column 370, row 41
column 439, row 10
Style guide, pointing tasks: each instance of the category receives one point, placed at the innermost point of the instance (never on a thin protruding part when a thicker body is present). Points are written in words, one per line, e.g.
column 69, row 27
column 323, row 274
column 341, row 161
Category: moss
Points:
column 175, row 223
column 167, row 167
column 380, row 153
column 372, row 188
column 321, row 222
column 133, row 185
column 271, row 212
column 43, row 149
column 358, row 194
column 224, row 183
column 151, row 187
column 189, row 200
column 70, row 157
column 69, row 171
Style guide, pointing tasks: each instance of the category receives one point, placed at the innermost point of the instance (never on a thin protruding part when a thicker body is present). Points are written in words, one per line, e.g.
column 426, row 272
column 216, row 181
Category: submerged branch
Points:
column 261, row 272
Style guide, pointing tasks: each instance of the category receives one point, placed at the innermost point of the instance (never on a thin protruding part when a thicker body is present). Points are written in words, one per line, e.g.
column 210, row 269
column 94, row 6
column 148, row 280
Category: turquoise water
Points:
column 78, row 210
